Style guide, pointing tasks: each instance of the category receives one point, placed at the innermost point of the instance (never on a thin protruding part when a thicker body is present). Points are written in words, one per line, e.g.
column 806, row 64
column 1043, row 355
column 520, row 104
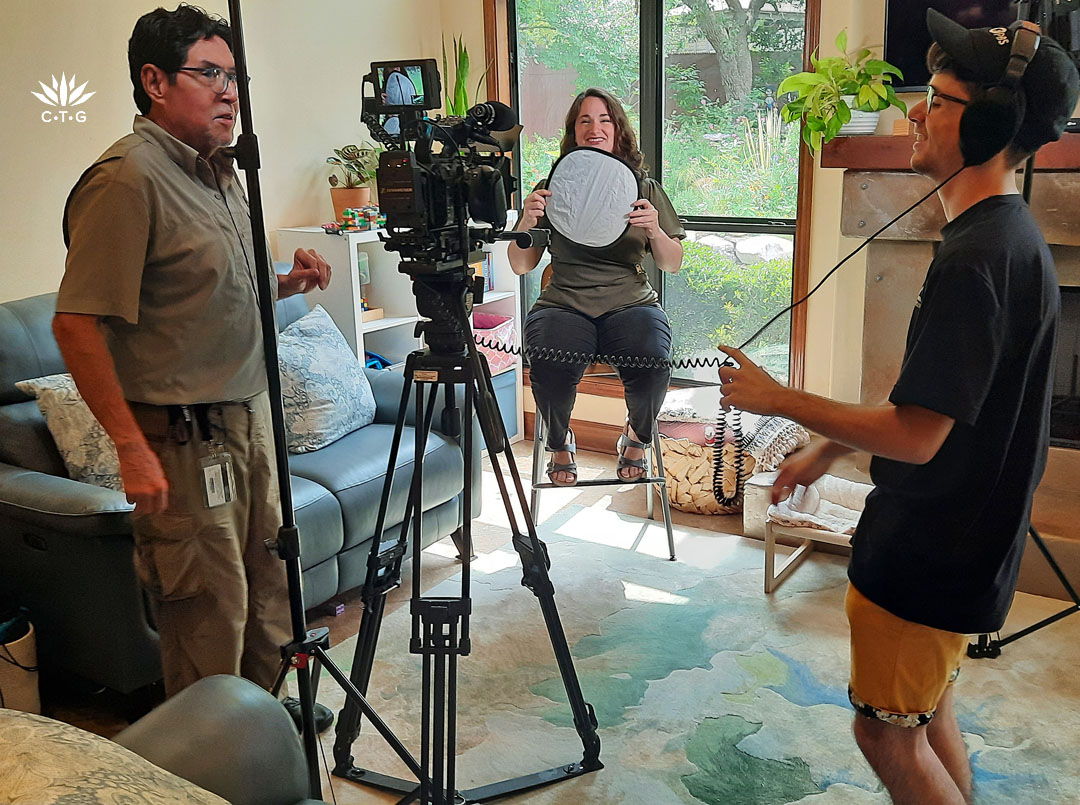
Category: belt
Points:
column 183, row 419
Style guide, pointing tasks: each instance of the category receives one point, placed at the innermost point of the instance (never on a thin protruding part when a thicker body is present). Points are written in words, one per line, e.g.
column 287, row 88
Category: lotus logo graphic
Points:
column 63, row 94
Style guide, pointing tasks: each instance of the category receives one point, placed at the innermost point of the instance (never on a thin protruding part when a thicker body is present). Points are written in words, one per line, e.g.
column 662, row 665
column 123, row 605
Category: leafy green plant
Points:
column 357, row 164
column 820, row 94
column 457, row 99
column 720, row 301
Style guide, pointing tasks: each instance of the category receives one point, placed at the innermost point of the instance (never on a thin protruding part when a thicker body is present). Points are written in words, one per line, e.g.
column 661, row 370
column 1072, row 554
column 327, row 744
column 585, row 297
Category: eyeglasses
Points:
column 933, row 92
column 219, row 80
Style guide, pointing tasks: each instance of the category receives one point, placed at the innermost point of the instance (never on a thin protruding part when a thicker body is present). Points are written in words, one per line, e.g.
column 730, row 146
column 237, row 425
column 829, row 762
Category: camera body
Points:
column 444, row 186
column 436, row 175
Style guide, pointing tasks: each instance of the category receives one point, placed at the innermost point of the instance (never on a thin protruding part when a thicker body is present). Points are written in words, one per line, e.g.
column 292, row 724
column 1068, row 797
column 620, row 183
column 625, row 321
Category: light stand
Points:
column 987, row 646
column 304, row 645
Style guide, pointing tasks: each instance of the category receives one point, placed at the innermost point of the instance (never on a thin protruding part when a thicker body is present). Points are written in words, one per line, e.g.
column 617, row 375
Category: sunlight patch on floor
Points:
column 491, row 562
column 604, row 527
column 651, row 595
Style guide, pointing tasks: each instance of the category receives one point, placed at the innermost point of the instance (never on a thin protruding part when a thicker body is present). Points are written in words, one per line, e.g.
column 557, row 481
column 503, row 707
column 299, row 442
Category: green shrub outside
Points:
column 721, row 301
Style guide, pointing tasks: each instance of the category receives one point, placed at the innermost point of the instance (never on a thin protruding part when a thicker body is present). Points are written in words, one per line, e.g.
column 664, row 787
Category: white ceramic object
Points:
column 860, row 123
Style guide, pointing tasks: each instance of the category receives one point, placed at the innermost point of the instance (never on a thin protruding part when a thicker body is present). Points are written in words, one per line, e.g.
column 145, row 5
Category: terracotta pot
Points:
column 349, row 197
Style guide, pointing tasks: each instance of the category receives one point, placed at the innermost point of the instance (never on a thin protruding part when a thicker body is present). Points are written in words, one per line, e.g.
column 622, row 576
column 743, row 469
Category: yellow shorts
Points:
column 899, row 669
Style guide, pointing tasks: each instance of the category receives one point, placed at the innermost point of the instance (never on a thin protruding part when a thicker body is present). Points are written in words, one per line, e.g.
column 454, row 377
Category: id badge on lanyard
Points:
column 218, row 482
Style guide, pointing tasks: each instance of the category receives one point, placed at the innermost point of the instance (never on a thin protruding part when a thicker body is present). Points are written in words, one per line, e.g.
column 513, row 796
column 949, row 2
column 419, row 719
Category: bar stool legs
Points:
column 653, row 478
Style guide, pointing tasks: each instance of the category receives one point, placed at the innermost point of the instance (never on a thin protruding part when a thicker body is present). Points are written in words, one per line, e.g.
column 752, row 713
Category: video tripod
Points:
column 440, row 625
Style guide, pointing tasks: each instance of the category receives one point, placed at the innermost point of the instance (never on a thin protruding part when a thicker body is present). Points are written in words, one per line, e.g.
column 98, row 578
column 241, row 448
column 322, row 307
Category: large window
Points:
column 703, row 99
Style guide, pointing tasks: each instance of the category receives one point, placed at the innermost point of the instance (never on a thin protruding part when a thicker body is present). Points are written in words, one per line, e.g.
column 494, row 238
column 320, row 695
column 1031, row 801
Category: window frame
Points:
column 500, row 35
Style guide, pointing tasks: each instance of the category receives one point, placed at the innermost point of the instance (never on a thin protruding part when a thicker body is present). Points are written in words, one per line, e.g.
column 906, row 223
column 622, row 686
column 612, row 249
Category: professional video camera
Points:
column 443, row 198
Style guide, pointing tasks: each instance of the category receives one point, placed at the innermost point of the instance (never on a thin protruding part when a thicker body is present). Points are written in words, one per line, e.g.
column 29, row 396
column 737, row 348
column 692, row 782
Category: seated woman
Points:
column 599, row 301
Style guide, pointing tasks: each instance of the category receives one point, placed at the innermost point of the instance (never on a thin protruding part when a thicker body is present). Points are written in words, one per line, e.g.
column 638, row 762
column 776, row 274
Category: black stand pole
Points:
column 440, row 625
column 304, row 645
column 991, row 647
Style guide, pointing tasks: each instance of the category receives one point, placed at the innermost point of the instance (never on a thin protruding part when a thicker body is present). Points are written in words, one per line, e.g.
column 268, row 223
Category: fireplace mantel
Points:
column 893, row 153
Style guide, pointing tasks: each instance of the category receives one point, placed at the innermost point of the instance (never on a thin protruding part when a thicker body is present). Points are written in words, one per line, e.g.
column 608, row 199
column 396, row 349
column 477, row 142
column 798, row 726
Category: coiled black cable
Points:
column 730, row 420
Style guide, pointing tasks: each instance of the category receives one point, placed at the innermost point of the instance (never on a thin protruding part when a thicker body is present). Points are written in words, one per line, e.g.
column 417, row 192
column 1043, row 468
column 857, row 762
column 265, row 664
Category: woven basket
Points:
column 688, row 468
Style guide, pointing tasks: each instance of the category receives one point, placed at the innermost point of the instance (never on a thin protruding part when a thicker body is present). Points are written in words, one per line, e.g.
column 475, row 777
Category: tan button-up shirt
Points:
column 160, row 245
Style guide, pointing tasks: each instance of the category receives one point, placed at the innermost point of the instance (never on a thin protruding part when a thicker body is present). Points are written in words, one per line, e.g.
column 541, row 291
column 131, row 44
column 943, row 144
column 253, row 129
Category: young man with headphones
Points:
column 962, row 442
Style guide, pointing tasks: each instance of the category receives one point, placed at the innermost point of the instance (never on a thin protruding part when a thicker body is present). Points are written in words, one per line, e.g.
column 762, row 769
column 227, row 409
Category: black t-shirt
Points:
column 940, row 543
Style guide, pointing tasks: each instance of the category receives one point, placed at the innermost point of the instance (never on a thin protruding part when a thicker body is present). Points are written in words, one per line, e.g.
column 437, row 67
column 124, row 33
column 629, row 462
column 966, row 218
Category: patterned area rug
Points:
column 706, row 690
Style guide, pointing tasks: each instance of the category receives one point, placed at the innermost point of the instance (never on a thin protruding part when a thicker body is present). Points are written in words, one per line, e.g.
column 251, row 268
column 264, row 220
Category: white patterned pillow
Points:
column 324, row 391
column 88, row 452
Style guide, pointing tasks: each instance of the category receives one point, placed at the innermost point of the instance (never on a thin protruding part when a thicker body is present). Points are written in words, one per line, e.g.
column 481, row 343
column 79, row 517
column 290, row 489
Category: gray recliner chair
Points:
column 229, row 736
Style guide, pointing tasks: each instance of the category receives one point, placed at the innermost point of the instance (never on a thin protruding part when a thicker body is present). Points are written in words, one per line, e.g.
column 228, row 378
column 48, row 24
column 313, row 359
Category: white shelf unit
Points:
column 391, row 290
column 391, row 336
column 505, row 300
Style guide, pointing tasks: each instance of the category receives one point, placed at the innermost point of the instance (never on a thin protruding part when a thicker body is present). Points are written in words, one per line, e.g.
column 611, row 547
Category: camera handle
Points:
column 528, row 238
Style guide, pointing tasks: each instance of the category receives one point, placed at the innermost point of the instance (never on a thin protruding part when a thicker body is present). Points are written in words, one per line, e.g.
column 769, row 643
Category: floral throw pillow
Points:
column 324, row 391
column 88, row 452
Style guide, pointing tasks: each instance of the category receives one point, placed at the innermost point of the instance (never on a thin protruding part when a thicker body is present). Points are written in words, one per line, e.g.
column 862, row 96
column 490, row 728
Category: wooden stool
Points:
column 809, row 536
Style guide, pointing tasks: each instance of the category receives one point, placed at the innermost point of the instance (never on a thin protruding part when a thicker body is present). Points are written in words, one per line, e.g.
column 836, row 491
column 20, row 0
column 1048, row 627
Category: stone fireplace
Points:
column 877, row 185
column 1065, row 410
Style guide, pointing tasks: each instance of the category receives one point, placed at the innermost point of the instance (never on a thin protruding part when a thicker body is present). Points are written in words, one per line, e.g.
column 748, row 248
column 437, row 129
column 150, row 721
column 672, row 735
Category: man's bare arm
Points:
column 87, row 357
column 909, row 433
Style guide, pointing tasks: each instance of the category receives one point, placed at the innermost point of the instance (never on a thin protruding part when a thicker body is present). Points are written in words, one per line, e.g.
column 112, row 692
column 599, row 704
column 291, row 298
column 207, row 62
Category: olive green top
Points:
column 599, row 280
column 160, row 246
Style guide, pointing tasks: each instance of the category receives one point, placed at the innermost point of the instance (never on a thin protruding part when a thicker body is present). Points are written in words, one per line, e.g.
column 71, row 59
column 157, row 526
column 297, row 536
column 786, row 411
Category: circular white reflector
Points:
column 592, row 193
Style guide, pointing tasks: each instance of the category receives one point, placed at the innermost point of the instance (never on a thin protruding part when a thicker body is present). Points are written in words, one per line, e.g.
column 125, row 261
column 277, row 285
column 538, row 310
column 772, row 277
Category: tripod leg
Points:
column 537, row 462
column 383, row 575
column 534, row 562
column 436, row 629
column 665, row 504
column 992, row 648
column 1054, row 566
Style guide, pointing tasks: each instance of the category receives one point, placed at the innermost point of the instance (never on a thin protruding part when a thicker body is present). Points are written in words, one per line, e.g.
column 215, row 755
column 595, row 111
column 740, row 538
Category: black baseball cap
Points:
column 1051, row 84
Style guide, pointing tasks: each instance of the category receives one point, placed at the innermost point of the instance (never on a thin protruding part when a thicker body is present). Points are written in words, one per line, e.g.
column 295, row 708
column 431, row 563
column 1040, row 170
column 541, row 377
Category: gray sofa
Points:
column 66, row 547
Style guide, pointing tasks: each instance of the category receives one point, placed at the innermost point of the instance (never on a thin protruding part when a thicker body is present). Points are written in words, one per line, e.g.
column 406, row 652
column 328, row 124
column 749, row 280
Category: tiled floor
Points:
column 101, row 712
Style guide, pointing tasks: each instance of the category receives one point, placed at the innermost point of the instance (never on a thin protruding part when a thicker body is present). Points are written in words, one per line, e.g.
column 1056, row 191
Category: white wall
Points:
column 306, row 62
column 834, row 314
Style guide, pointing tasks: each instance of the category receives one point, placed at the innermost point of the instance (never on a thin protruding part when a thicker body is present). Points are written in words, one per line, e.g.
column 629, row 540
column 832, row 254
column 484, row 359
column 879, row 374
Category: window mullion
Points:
column 650, row 103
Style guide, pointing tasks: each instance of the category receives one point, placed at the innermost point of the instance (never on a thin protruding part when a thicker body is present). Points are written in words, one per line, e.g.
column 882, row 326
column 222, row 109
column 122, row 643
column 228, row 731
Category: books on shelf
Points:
column 485, row 268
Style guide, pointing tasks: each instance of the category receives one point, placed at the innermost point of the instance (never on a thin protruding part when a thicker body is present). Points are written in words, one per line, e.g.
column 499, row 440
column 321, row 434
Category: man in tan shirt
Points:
column 158, row 321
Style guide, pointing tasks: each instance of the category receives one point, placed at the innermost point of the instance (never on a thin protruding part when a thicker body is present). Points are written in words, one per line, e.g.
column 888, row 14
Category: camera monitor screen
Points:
column 407, row 85
column 907, row 40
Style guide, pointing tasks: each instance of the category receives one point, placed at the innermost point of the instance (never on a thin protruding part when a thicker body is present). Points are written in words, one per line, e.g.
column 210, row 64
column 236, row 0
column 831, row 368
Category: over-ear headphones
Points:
column 992, row 119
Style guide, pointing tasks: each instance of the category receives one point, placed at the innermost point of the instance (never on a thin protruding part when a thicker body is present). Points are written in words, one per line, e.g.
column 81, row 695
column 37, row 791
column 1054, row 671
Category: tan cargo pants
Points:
column 222, row 597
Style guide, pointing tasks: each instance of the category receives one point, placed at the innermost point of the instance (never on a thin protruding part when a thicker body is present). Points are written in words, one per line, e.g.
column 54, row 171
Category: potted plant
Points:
column 836, row 90
column 357, row 165
column 457, row 98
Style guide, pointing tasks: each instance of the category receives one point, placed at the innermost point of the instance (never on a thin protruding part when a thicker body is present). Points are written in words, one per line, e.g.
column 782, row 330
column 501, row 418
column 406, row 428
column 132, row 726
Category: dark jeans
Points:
column 634, row 331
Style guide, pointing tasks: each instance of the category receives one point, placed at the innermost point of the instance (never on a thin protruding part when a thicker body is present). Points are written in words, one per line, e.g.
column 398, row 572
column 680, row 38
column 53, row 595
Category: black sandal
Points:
column 571, row 467
column 624, row 442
